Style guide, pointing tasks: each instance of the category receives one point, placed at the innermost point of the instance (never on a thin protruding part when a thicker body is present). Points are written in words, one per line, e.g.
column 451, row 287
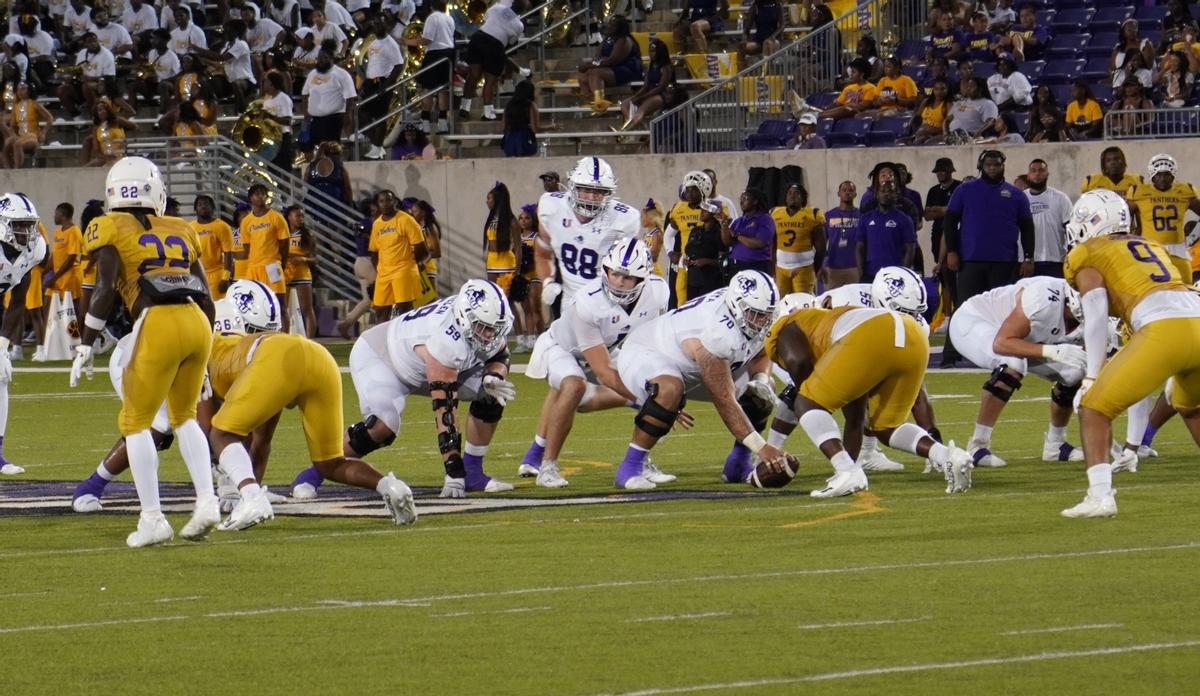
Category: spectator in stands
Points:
column 886, row 236
column 868, row 50
column 40, row 48
column 980, row 43
column 806, row 137
column 857, row 95
column 1141, row 114
column 413, row 144
column 501, row 238
column 109, row 129
column 331, row 100
column 1133, row 69
column 965, row 70
column 1009, row 87
column 751, row 237
column 159, row 81
column 438, row 39
column 1084, row 119
column 938, row 69
column 97, row 66
column 193, row 87
column 938, row 9
column 335, row 13
column 522, row 122
column 235, row 58
column 1046, row 123
column 672, row 131
column 975, row 113
column 1112, row 175
column 186, row 34
column 936, row 200
column 486, row 57
column 114, row 37
column 385, row 61
column 698, row 19
column 189, row 125
column 1172, row 81
column 262, row 33
column 298, row 273
column 617, row 62
column 551, row 182
column 1129, row 41
column 705, row 250
column 1027, row 41
column 304, row 56
column 324, row 30
column 26, row 134
column 840, row 266
column 1189, row 46
column 1051, row 210
column 277, row 103
column 928, row 123
column 327, row 173
column 897, row 91
column 762, row 27
column 1002, row 17
column 77, row 21
column 286, row 12
column 1179, row 15
column 946, row 41
column 648, row 100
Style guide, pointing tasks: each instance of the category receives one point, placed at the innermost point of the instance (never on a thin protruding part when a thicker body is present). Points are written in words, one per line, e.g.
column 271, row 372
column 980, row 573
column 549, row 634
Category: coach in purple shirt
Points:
column 985, row 220
column 751, row 238
column 886, row 236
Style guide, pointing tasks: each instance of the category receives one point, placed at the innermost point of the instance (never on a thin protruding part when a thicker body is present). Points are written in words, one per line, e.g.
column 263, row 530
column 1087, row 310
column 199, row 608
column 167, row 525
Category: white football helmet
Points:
column 1096, row 214
column 900, row 289
column 794, row 302
column 18, row 220
column 629, row 257
column 1162, row 163
column 700, row 180
column 751, row 299
column 484, row 316
column 227, row 319
column 256, row 305
column 592, row 175
column 135, row 182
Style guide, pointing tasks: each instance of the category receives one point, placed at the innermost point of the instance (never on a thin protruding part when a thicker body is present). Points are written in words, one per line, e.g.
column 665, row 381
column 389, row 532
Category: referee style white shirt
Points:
column 439, row 30
column 327, row 93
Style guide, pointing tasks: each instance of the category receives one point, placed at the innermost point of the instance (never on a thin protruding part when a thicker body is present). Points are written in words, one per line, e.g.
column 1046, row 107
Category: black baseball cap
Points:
column 944, row 164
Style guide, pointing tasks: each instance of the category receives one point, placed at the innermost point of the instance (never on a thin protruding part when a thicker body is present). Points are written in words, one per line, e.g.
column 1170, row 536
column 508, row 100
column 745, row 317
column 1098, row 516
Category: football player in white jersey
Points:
column 21, row 248
column 592, row 325
column 712, row 348
column 1015, row 330
column 577, row 227
column 455, row 348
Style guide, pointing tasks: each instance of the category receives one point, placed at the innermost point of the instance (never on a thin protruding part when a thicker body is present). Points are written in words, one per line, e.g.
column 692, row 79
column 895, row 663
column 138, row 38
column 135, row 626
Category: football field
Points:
column 697, row 587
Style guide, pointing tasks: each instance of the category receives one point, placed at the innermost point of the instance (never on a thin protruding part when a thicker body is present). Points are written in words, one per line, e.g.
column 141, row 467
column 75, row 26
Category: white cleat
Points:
column 843, row 483
column 958, row 469
column 251, row 510
column 1146, row 452
column 1127, row 460
column 497, row 486
column 1105, row 506
column 206, row 516
column 549, row 477
column 639, row 483
column 527, row 470
column 876, row 460
column 11, row 470
column 150, row 532
column 983, row 457
column 656, row 475
column 1061, row 452
column 86, row 503
column 398, row 498
column 304, row 491
column 274, row 498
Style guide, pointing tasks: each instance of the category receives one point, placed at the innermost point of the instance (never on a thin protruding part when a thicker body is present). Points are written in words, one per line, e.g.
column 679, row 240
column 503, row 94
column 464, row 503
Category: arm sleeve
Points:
column 1095, row 329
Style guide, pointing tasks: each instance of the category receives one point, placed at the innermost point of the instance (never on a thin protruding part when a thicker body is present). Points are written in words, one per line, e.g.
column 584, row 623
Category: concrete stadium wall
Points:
column 457, row 188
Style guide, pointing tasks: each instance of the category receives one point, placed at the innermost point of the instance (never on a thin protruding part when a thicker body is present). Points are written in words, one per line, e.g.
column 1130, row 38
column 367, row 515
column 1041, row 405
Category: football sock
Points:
column 1099, row 480
column 1056, row 435
column 870, row 443
column 92, row 485
column 842, row 461
column 104, row 473
column 310, row 476
column 143, row 465
column 533, row 456
column 473, row 463
column 1148, row 438
column 193, row 447
column 631, row 465
column 776, row 438
column 235, row 462
column 982, row 436
column 3, row 415
column 939, row 454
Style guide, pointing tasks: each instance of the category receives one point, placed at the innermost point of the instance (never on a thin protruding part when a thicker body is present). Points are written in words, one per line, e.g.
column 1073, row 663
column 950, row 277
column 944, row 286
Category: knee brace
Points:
column 162, row 441
column 449, row 398
column 1000, row 376
column 360, row 438
column 1062, row 395
column 652, row 409
column 757, row 411
column 487, row 409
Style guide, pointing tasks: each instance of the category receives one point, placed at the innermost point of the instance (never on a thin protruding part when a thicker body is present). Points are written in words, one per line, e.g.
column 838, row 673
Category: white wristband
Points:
column 754, row 442
column 94, row 322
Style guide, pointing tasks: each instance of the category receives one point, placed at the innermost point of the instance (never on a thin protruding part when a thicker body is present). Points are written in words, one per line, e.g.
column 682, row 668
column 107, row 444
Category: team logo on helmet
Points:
column 894, row 286
column 747, row 284
column 475, row 297
column 243, row 300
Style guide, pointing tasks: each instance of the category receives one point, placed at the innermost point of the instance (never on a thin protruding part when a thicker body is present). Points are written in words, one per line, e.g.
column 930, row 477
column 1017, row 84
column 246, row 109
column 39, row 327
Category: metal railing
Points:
column 219, row 167
column 720, row 118
column 1129, row 124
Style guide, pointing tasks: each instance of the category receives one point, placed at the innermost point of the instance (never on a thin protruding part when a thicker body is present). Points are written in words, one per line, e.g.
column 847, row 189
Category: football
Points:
column 766, row 477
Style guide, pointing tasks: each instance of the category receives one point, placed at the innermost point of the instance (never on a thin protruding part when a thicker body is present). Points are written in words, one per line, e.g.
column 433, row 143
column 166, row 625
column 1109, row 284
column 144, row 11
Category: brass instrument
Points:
column 476, row 9
column 416, row 54
column 10, row 96
column 553, row 12
column 257, row 132
column 356, row 60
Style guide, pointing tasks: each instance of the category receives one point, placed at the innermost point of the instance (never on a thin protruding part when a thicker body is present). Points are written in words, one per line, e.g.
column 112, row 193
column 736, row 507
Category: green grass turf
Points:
column 899, row 590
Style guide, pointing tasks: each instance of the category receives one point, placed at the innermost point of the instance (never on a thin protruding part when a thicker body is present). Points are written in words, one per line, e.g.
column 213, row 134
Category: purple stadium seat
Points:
column 881, row 139
column 1112, row 16
column 1095, row 70
column 1101, row 45
column 1103, row 92
column 911, row 51
column 984, row 70
column 1069, row 21
column 1063, row 71
column 771, row 135
column 1150, row 16
column 1068, row 46
column 1021, row 121
column 1033, row 69
column 849, row 132
column 821, row 100
column 916, row 72
column 1062, row 95
column 891, row 124
column 1045, row 17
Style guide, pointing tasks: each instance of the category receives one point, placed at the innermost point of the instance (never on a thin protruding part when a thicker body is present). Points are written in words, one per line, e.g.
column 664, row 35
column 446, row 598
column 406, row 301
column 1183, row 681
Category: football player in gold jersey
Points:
column 1112, row 175
column 800, row 242
column 1134, row 279
column 1158, row 209
column 681, row 219
column 153, row 262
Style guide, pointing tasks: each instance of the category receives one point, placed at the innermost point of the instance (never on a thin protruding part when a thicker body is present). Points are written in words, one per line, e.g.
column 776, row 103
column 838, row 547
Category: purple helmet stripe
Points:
column 629, row 248
column 500, row 295
column 596, row 168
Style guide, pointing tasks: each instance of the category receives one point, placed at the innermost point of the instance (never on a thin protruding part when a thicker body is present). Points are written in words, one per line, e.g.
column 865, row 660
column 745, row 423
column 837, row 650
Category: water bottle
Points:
column 543, row 149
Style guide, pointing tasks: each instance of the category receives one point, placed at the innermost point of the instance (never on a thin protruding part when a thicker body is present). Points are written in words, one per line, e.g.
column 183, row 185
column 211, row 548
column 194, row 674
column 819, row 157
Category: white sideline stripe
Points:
column 1062, row 629
column 328, row 605
column 925, row 667
column 848, row 624
column 516, row 610
column 165, row 600
column 682, row 617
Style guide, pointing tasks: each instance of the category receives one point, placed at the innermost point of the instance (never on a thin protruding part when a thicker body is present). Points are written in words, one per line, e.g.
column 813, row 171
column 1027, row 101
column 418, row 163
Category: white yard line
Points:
column 91, row 624
column 682, row 617
column 848, row 624
column 925, row 667
column 1062, row 629
column 516, row 610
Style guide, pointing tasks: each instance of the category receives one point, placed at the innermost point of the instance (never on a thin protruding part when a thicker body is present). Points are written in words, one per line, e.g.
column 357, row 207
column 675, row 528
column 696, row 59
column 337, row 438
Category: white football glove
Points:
column 500, row 389
column 1083, row 387
column 81, row 364
column 760, row 388
column 551, row 289
column 5, row 361
column 206, row 391
column 1067, row 354
column 454, row 488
